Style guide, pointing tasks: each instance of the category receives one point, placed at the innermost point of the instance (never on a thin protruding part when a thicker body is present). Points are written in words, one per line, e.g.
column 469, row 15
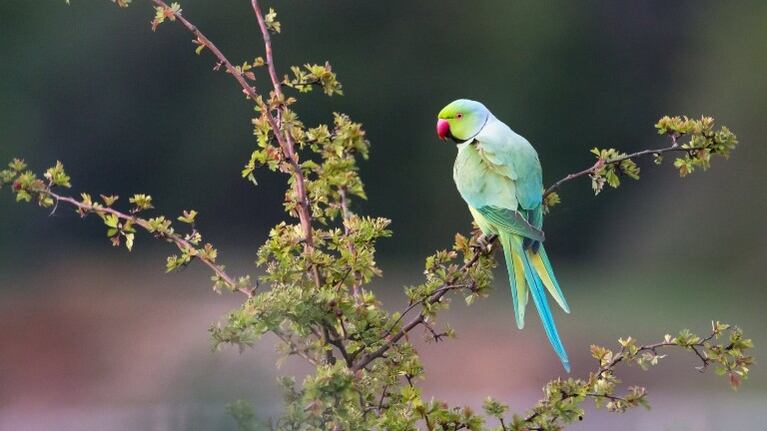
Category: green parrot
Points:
column 498, row 174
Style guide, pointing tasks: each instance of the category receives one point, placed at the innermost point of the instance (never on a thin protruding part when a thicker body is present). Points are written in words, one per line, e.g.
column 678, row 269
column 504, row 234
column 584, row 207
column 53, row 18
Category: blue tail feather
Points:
column 539, row 297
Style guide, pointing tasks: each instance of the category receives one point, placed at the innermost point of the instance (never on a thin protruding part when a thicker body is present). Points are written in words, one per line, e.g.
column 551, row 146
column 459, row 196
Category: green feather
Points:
column 516, row 279
column 511, row 221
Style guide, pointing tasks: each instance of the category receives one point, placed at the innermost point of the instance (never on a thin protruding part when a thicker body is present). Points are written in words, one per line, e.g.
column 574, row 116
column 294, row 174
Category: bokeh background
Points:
column 94, row 338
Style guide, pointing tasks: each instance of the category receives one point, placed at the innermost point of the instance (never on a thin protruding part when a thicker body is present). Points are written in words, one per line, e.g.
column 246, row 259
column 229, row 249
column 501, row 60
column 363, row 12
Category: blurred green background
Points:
column 94, row 338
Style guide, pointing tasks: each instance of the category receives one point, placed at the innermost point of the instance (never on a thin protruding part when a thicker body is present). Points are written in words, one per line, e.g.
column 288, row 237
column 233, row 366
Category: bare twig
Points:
column 705, row 360
column 383, row 397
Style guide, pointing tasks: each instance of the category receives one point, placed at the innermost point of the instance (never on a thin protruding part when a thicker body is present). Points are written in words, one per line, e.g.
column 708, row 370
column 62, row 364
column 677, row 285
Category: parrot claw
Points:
column 485, row 243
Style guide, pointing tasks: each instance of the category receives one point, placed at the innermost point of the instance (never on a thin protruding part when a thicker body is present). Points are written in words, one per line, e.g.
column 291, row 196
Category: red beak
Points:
column 443, row 129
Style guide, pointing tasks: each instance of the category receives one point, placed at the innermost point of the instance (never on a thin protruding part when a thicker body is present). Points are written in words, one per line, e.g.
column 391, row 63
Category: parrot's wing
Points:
column 511, row 221
column 512, row 156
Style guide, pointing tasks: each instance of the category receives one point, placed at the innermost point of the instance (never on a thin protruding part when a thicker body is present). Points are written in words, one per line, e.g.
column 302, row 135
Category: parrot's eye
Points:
column 459, row 116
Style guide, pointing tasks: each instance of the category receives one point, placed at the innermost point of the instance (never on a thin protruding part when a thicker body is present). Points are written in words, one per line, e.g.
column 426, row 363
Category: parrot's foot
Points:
column 485, row 243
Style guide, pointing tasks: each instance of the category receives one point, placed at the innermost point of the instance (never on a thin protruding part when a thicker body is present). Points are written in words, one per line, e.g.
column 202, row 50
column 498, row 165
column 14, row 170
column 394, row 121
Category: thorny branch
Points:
column 435, row 297
column 284, row 139
column 540, row 417
column 601, row 163
column 654, row 348
column 174, row 238
column 283, row 136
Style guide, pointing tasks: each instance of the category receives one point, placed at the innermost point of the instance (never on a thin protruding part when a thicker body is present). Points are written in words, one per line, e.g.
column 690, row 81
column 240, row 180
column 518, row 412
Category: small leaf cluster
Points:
column 550, row 200
column 56, row 176
column 116, row 229
column 304, row 79
column 730, row 358
column 163, row 13
column 272, row 24
column 611, row 165
column 704, row 141
column 450, row 269
column 245, row 69
column 26, row 185
column 334, row 177
column 21, row 180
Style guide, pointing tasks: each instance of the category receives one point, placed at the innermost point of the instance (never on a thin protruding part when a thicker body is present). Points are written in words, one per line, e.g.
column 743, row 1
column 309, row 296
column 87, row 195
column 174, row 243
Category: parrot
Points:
column 499, row 176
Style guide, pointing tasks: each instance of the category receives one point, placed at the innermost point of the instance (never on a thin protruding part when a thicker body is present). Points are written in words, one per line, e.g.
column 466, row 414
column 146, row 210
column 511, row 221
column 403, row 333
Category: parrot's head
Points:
column 461, row 120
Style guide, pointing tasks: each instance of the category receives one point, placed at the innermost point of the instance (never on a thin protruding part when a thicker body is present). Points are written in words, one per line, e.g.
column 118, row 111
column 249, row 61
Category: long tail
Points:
column 530, row 269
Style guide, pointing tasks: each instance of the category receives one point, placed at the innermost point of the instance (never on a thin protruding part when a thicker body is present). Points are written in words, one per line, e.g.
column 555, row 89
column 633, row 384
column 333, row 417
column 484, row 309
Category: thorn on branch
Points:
column 55, row 207
column 703, row 358
column 437, row 337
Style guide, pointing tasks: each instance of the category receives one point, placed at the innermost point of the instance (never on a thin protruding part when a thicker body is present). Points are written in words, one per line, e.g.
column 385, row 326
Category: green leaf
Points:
column 141, row 201
column 57, row 176
column 129, row 237
column 17, row 165
column 111, row 220
column 188, row 216
column 271, row 22
column 109, row 200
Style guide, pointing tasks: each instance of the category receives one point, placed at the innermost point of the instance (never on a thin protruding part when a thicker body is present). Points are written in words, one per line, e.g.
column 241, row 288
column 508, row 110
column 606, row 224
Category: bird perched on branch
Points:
column 498, row 174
